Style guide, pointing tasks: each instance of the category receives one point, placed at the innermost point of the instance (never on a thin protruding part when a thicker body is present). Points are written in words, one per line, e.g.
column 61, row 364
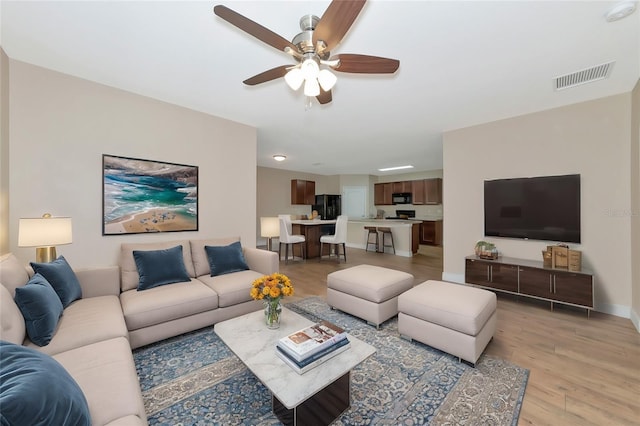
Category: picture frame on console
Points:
column 146, row 196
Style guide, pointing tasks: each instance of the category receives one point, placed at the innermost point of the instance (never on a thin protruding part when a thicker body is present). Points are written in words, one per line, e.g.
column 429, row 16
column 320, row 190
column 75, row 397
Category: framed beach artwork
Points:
column 142, row 196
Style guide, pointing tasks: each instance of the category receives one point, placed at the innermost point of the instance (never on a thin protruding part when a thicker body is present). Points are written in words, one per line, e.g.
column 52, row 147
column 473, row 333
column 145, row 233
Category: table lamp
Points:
column 269, row 228
column 44, row 233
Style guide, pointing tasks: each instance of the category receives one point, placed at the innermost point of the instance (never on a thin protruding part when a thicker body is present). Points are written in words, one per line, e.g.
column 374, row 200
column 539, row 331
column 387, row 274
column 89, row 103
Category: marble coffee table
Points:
column 316, row 397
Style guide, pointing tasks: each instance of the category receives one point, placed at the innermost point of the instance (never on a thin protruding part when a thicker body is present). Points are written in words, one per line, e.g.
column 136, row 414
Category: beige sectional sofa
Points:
column 95, row 335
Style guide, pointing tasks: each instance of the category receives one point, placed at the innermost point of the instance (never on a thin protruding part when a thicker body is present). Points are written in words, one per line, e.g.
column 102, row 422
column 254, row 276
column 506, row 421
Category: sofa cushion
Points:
column 12, row 325
column 36, row 390
column 41, row 309
column 87, row 321
column 165, row 303
column 160, row 267
column 129, row 270
column 106, row 373
column 232, row 289
column 13, row 274
column 226, row 259
column 62, row 279
column 199, row 255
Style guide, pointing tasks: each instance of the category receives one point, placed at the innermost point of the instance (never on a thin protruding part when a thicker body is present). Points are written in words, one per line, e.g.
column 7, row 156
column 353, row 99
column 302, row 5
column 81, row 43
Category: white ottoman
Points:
column 368, row 292
column 454, row 318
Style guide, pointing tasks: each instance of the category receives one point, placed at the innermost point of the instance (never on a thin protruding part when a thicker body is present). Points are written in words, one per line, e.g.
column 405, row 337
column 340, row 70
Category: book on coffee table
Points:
column 314, row 360
column 310, row 340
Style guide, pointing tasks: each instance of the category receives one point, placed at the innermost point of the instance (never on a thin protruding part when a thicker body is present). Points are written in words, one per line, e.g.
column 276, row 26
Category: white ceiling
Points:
column 461, row 64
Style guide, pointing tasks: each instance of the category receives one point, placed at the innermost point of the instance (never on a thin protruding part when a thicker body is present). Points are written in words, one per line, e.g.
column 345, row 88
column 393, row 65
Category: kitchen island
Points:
column 406, row 234
column 312, row 231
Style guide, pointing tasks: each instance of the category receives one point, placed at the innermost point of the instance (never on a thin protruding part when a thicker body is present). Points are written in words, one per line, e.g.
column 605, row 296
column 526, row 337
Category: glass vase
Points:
column 272, row 311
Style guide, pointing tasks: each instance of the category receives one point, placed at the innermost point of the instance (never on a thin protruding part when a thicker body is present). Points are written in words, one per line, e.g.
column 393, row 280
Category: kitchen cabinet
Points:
column 433, row 191
column 431, row 232
column 415, row 237
column 402, row 186
column 382, row 193
column 427, row 191
column 303, row 192
column 532, row 279
column 417, row 191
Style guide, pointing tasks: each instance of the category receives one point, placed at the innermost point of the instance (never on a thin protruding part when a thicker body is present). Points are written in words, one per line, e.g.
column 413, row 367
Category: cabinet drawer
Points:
column 573, row 288
column 536, row 282
column 504, row 277
column 477, row 272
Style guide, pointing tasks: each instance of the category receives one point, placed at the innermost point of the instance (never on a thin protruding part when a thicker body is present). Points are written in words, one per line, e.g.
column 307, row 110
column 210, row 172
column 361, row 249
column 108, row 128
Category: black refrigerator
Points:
column 328, row 206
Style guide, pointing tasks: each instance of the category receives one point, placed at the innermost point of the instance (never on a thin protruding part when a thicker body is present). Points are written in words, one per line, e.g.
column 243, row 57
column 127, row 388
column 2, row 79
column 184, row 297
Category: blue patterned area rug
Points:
column 194, row 379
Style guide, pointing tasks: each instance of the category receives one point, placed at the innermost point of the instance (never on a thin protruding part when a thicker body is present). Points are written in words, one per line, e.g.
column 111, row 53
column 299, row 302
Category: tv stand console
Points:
column 531, row 278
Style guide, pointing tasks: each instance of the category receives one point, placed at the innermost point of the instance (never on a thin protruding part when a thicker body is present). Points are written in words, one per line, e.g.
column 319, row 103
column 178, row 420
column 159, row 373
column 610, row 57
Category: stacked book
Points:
column 312, row 345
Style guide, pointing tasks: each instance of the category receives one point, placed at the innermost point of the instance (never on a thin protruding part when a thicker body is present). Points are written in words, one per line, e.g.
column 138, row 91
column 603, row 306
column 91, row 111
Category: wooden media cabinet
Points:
column 531, row 278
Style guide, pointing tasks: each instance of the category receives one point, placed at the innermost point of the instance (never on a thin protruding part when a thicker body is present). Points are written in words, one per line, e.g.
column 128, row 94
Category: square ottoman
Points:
column 454, row 318
column 367, row 292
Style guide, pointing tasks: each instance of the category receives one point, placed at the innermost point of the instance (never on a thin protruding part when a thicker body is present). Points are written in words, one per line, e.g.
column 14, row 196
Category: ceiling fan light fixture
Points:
column 311, row 87
column 327, row 80
column 294, row 78
column 310, row 69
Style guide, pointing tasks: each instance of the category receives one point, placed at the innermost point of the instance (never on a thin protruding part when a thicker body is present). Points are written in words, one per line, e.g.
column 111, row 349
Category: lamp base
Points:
column 269, row 243
column 45, row 254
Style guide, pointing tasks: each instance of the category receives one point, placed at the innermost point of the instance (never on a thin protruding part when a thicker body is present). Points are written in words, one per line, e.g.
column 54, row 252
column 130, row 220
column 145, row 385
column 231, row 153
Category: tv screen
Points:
column 538, row 208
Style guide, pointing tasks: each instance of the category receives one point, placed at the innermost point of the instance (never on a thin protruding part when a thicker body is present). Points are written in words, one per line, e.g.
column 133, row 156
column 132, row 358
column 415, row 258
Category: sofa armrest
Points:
column 100, row 281
column 263, row 261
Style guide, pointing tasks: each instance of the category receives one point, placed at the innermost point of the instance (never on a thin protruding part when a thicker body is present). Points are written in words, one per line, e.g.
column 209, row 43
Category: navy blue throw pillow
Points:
column 160, row 267
column 62, row 279
column 226, row 259
column 41, row 309
column 36, row 390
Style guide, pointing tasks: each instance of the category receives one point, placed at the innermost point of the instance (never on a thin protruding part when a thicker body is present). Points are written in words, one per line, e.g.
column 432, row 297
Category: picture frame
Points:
column 148, row 196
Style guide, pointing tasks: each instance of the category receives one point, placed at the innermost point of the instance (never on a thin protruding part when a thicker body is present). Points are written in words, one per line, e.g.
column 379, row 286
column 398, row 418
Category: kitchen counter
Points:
column 312, row 231
column 405, row 235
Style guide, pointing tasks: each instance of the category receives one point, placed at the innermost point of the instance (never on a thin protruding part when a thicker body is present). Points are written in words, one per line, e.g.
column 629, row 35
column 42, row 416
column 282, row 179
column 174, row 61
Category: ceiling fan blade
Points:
column 336, row 21
column 324, row 97
column 269, row 75
column 365, row 64
column 258, row 31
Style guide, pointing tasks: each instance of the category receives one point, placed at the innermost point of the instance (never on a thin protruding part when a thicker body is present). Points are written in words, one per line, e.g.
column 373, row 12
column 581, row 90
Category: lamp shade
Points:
column 269, row 227
column 327, row 80
column 44, row 231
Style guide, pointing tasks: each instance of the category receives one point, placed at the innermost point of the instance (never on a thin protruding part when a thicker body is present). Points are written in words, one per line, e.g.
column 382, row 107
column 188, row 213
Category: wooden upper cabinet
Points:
column 382, row 194
column 402, row 186
column 427, row 191
column 433, row 191
column 303, row 192
column 417, row 191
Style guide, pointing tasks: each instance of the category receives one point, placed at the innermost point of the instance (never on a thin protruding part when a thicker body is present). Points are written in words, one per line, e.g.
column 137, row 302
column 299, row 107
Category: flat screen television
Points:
column 538, row 208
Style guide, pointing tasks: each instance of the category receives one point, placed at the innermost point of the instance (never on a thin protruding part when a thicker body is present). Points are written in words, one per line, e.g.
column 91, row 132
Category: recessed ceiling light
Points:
column 279, row 157
column 395, row 168
column 621, row 10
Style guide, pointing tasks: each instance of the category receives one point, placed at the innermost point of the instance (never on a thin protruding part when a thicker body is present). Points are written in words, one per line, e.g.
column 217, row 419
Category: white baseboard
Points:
column 617, row 310
column 635, row 319
column 454, row 278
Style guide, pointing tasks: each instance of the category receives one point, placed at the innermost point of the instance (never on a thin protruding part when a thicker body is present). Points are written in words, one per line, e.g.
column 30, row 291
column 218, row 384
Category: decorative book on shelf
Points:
column 310, row 340
column 312, row 361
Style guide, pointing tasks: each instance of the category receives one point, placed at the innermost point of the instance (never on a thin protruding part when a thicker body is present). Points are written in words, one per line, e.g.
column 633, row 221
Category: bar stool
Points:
column 372, row 231
column 387, row 231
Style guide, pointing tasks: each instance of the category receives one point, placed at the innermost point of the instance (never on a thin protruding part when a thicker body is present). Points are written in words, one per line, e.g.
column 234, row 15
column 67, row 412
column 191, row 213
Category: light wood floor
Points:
column 583, row 371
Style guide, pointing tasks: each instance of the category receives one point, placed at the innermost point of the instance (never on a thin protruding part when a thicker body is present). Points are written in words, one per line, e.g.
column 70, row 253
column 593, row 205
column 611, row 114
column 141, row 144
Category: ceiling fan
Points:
column 312, row 49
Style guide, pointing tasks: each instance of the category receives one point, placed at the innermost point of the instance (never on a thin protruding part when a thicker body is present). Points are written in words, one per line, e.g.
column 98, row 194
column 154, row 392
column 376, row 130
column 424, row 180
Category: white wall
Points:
column 4, row 152
column 590, row 138
column 61, row 125
column 635, row 204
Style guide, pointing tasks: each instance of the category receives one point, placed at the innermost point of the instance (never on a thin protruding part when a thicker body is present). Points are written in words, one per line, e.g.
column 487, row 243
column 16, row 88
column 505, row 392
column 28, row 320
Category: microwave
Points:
column 401, row 198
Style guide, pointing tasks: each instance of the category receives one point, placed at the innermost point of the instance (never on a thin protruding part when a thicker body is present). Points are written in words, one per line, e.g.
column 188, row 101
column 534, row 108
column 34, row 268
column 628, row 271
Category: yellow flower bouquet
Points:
column 272, row 288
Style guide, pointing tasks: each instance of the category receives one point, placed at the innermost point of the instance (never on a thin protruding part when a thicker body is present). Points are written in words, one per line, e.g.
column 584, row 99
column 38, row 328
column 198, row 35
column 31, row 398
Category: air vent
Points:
column 587, row 75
